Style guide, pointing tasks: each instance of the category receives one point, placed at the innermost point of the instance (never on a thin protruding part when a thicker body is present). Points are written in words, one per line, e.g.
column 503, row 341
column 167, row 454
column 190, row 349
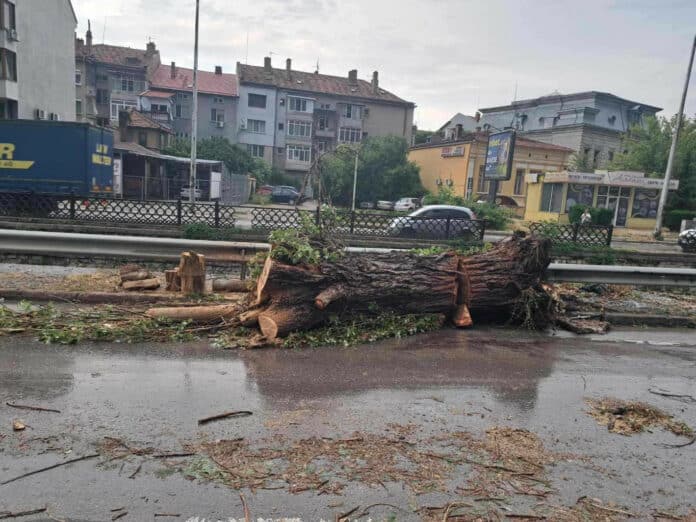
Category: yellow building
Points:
column 632, row 196
column 459, row 165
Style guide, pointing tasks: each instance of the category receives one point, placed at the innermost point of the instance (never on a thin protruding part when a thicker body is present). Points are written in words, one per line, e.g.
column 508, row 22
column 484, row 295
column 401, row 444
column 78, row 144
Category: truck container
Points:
column 50, row 159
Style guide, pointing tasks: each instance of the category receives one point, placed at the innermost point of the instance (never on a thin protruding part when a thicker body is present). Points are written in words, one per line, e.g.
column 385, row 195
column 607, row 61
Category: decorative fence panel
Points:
column 574, row 233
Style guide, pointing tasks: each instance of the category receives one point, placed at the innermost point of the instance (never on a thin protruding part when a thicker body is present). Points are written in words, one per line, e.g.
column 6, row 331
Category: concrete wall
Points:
column 245, row 113
column 385, row 120
column 46, row 58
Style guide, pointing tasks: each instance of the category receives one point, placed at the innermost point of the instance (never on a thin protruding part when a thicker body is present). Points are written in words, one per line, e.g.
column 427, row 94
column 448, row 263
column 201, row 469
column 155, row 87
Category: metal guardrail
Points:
column 55, row 244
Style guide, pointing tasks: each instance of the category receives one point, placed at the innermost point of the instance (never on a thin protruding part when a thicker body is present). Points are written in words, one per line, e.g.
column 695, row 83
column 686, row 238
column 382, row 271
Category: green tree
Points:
column 422, row 136
column 646, row 149
column 384, row 171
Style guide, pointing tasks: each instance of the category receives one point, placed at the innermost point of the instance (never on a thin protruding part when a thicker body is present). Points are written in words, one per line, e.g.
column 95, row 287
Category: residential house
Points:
column 591, row 123
column 459, row 125
column 287, row 117
column 36, row 59
column 459, row 165
column 110, row 78
column 217, row 100
column 137, row 127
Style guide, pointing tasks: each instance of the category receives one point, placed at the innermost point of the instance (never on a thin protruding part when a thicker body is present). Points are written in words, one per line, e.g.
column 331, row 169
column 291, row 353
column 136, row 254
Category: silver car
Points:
column 437, row 222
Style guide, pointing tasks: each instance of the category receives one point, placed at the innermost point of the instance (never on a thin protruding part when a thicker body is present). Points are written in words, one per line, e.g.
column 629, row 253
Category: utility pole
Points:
column 673, row 148
column 355, row 177
column 194, row 115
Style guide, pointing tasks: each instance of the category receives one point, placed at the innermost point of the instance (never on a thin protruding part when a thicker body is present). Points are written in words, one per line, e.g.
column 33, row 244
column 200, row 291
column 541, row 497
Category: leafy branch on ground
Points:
column 461, row 248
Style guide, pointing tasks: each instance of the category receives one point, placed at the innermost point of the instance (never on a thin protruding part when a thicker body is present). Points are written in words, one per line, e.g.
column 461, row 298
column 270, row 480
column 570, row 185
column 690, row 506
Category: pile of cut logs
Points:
column 292, row 298
column 134, row 277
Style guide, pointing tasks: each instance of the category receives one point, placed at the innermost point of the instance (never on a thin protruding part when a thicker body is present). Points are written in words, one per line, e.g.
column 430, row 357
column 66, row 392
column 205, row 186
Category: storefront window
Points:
column 645, row 203
column 552, row 197
column 579, row 195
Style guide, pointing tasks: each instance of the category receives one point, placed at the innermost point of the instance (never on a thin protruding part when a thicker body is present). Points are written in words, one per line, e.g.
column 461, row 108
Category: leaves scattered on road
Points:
column 627, row 417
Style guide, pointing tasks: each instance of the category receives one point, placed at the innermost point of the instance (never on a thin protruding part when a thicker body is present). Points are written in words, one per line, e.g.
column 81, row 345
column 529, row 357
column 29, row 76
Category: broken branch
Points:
column 33, row 408
column 9, row 514
column 227, row 415
column 47, row 468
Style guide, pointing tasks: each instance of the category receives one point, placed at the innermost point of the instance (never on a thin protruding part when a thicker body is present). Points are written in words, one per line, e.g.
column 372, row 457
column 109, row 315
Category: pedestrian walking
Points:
column 586, row 218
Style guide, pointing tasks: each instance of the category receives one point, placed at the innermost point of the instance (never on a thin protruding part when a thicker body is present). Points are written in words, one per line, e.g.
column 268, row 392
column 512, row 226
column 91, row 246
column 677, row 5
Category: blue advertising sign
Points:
column 501, row 147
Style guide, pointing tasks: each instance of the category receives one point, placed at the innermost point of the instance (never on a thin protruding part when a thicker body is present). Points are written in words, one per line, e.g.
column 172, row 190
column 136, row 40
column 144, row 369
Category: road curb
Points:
column 652, row 320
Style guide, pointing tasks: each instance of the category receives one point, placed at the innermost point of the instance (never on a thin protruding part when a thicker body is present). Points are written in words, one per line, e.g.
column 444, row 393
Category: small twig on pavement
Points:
column 452, row 506
column 681, row 398
column 137, row 470
column 345, row 515
column 679, row 445
column 33, row 408
column 167, row 514
column 77, row 459
column 225, row 415
column 119, row 515
column 8, row 514
column 247, row 514
column 172, row 455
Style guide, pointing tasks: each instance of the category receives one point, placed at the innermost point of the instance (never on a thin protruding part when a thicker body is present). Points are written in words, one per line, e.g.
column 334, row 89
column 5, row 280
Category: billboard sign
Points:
column 501, row 147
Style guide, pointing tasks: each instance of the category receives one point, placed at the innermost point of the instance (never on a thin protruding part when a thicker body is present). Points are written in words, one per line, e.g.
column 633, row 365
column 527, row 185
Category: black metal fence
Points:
column 95, row 209
column 373, row 224
column 574, row 233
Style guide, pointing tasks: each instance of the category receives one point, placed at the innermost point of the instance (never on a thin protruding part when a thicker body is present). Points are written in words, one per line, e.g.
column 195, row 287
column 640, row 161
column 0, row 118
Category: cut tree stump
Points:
column 490, row 284
column 197, row 314
column 172, row 280
column 145, row 284
column 230, row 285
column 192, row 273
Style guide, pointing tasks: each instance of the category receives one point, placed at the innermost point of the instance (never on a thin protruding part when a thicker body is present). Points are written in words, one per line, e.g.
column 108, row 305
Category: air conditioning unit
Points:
column 39, row 114
column 54, row 116
column 12, row 34
column 242, row 125
column 220, row 124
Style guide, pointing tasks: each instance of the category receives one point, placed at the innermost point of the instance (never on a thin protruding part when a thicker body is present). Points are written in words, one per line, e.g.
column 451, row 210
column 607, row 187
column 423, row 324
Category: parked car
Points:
column 385, row 205
column 367, row 204
column 406, row 204
column 687, row 240
column 285, row 194
column 185, row 193
column 436, row 221
column 265, row 190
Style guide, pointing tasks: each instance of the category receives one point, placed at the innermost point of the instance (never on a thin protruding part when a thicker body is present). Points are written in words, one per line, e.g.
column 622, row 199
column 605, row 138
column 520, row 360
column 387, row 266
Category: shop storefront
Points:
column 632, row 196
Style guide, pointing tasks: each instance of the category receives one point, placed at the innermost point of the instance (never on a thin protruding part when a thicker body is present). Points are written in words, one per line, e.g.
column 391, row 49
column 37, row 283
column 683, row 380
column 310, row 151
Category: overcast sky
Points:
column 447, row 56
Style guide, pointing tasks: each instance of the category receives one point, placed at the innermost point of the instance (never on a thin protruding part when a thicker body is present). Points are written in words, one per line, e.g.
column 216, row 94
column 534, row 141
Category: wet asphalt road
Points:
column 452, row 380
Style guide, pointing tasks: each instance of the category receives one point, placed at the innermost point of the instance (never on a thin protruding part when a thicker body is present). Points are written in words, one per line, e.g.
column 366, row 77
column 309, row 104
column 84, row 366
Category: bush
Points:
column 673, row 218
column 600, row 216
column 205, row 231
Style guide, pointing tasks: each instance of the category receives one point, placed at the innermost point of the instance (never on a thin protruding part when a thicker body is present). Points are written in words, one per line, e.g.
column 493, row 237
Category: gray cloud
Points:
column 447, row 56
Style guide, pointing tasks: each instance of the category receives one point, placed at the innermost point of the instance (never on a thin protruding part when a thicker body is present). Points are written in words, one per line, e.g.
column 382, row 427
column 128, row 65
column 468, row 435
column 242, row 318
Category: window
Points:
column 255, row 150
column 610, row 155
column 217, row 99
column 102, row 96
column 8, row 15
column 579, row 195
column 281, row 126
column 551, row 197
column 177, row 110
column 257, row 126
column 299, row 128
column 9, row 65
column 257, row 100
column 353, row 112
column 469, row 187
column 321, row 146
column 299, row 104
column 78, row 77
column 645, row 203
column 102, row 78
column 118, row 105
column 142, row 138
column 217, row 115
column 595, row 158
column 519, row 182
column 482, row 185
column 299, row 153
column 78, row 107
column 322, row 123
column 349, row 135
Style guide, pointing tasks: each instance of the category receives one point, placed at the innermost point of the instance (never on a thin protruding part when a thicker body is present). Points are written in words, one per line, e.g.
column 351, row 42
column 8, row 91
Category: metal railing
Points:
column 372, row 224
column 574, row 233
column 108, row 210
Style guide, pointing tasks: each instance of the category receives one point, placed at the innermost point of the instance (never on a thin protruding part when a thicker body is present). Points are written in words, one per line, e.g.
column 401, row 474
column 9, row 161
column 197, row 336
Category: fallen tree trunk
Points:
column 197, row 314
column 145, row 284
column 230, row 285
column 296, row 297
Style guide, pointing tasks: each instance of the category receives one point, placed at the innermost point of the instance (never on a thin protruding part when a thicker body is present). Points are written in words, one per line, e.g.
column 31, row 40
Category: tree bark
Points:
column 145, row 284
column 197, row 314
column 230, row 285
column 172, row 280
column 192, row 273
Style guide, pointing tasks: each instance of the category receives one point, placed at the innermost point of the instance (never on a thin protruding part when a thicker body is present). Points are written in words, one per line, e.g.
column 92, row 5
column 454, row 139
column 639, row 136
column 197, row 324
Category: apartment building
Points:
column 217, row 100
column 36, row 59
column 110, row 78
column 287, row 117
column 591, row 123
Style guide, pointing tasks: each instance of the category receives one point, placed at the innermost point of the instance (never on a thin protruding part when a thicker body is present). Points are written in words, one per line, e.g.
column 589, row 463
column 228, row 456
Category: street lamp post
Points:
column 355, row 177
column 673, row 148
column 194, row 115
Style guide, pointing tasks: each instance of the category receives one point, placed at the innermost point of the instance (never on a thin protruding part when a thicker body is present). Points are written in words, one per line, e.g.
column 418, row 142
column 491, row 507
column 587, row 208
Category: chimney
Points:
column 267, row 64
column 150, row 48
column 375, row 82
column 288, row 68
column 353, row 76
column 218, row 70
column 88, row 36
column 172, row 70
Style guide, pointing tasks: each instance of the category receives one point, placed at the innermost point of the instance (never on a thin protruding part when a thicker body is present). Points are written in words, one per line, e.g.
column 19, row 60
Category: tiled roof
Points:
column 140, row 121
column 157, row 94
column 312, row 82
column 483, row 139
column 114, row 54
column 208, row 82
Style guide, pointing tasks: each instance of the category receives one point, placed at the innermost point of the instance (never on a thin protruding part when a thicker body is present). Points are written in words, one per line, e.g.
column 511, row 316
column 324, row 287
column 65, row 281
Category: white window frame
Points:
column 78, row 77
column 256, row 151
column 299, row 128
column 121, row 104
column 352, row 111
column 256, row 126
column 297, row 104
column 219, row 115
column 349, row 135
column 301, row 153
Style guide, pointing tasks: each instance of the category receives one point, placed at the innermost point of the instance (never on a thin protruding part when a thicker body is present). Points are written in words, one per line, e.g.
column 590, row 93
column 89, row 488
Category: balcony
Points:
column 160, row 116
column 326, row 132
